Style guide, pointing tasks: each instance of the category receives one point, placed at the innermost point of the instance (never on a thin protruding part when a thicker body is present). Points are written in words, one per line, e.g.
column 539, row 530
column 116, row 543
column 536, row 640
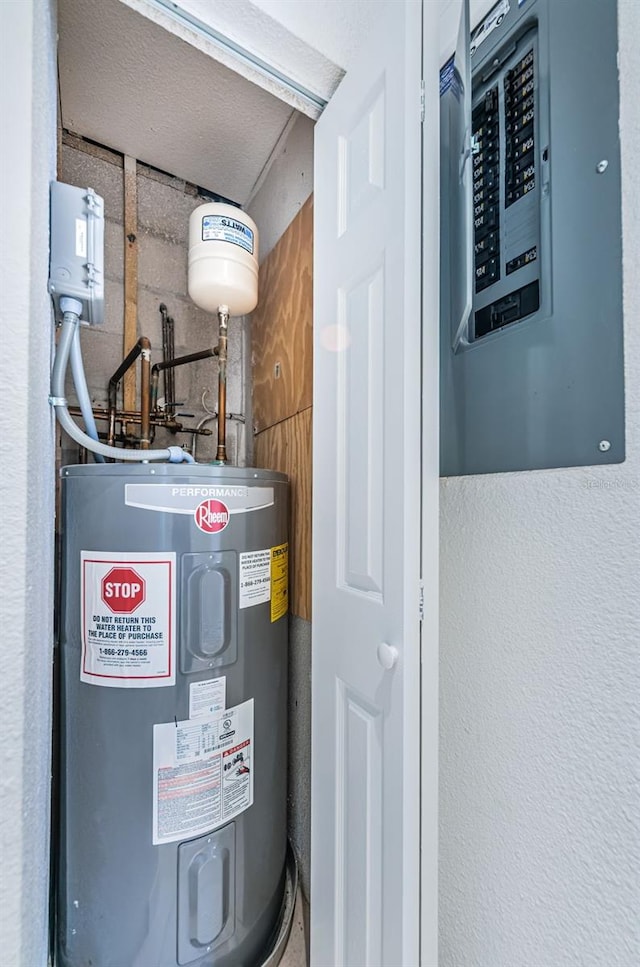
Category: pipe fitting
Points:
column 60, row 363
column 223, row 320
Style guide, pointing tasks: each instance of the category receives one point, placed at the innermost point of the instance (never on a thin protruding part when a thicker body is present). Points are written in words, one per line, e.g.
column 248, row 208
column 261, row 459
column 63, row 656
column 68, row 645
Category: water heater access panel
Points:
column 537, row 378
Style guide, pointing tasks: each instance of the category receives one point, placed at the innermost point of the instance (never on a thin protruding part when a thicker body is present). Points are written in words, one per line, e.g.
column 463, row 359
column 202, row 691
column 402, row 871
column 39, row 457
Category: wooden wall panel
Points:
column 287, row 447
column 282, row 326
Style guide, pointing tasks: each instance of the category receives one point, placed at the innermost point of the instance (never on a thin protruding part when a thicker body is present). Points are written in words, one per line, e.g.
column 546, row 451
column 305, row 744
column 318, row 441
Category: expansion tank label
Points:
column 128, row 604
column 222, row 228
column 202, row 773
column 188, row 498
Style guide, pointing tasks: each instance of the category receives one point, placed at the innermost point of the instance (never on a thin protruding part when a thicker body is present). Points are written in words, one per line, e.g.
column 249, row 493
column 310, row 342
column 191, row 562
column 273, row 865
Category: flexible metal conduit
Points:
column 71, row 319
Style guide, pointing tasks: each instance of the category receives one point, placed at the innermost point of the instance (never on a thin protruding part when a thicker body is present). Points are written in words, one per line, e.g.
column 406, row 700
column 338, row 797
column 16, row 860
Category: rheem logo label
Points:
column 123, row 590
column 212, row 516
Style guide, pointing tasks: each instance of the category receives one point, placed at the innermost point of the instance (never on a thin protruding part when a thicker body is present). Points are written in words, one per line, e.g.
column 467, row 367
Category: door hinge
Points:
column 422, row 101
column 421, row 602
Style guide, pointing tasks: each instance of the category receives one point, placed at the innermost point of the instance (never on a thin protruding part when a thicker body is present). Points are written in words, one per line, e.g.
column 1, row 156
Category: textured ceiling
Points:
column 269, row 36
column 336, row 28
column 128, row 83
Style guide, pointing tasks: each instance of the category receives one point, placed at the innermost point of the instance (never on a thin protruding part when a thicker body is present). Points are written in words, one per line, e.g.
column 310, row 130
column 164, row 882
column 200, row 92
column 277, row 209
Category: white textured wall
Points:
column 269, row 34
column 286, row 187
column 335, row 28
column 27, row 106
column 540, row 683
column 311, row 42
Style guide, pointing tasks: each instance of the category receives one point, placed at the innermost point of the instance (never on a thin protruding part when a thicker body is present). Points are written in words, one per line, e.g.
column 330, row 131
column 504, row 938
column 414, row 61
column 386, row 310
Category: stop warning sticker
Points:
column 128, row 606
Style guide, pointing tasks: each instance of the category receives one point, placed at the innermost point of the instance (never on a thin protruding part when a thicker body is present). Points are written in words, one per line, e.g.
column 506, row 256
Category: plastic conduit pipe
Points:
column 82, row 391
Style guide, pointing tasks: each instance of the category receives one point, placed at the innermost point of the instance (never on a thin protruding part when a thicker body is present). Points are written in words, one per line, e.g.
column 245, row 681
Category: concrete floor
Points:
column 296, row 953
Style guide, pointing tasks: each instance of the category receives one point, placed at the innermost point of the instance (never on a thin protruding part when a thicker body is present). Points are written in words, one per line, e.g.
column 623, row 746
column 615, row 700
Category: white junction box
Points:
column 77, row 250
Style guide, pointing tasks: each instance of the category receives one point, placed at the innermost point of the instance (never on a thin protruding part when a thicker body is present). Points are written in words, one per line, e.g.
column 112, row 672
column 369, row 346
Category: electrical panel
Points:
column 532, row 372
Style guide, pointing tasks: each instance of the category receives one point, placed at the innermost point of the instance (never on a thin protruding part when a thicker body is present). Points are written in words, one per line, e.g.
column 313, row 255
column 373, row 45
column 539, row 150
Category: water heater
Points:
column 173, row 732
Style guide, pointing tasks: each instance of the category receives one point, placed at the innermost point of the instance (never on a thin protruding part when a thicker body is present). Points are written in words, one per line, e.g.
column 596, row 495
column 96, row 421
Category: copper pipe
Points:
column 142, row 344
column 145, row 397
column 168, row 355
column 130, row 416
column 171, row 364
column 154, row 389
column 133, row 416
column 198, row 430
column 181, row 360
column 111, row 432
column 223, row 317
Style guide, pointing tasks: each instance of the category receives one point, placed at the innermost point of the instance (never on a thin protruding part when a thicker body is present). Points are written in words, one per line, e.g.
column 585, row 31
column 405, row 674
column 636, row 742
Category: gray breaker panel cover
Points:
column 532, row 387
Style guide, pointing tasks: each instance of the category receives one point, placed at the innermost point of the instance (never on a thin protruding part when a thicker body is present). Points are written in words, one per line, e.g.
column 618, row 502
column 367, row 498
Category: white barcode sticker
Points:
column 81, row 238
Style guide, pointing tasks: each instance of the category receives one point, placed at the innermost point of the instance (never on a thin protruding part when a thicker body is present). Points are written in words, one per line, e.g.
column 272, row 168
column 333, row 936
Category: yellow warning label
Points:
column 279, row 581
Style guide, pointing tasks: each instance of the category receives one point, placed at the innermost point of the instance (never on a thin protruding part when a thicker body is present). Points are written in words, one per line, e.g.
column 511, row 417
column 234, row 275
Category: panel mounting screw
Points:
column 602, row 166
column 604, row 445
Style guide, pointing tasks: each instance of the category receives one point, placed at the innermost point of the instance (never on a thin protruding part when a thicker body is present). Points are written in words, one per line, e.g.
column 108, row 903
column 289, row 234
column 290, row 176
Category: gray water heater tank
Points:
column 173, row 715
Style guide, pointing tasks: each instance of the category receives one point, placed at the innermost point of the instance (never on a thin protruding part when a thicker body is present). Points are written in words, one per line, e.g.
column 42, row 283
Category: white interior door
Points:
column 366, row 750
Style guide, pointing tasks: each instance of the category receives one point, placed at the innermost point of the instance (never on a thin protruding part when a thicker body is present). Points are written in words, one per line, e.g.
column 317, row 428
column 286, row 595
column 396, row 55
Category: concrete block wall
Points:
column 286, row 187
column 164, row 206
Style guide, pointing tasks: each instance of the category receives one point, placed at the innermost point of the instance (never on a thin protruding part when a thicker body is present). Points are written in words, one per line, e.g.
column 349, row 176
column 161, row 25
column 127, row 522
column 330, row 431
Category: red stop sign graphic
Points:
column 123, row 590
column 212, row 516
